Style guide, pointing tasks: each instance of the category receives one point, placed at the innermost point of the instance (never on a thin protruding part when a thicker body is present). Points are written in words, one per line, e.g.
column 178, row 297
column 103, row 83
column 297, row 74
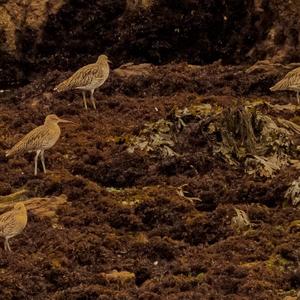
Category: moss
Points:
column 294, row 225
column 276, row 262
column 195, row 217
column 129, row 196
column 200, row 277
column 250, row 265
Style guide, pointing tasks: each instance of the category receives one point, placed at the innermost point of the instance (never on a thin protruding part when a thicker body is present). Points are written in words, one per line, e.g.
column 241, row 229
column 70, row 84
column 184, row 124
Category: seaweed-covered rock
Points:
column 37, row 36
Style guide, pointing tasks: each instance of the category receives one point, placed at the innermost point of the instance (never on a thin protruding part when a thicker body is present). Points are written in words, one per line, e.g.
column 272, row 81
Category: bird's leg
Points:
column 84, row 99
column 93, row 99
column 36, row 161
column 43, row 161
column 6, row 245
column 298, row 100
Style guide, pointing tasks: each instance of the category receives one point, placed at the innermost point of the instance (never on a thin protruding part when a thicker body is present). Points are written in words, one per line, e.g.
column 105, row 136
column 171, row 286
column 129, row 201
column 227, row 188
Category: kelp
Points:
column 16, row 196
column 264, row 166
column 39, row 206
column 254, row 140
column 158, row 137
column 241, row 135
column 182, row 193
column 161, row 137
column 241, row 221
column 293, row 192
column 130, row 69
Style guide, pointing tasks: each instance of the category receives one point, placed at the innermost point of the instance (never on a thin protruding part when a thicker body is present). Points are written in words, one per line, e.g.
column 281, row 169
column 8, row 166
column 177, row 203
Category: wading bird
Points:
column 39, row 139
column 87, row 78
column 12, row 223
column 290, row 82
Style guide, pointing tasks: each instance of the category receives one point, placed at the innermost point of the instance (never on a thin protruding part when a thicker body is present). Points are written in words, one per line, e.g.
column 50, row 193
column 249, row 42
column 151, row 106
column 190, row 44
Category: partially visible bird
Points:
column 87, row 78
column 39, row 139
column 12, row 223
column 290, row 82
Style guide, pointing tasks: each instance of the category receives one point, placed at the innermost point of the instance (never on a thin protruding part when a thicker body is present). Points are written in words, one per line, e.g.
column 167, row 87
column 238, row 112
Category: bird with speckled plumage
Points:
column 87, row 78
column 290, row 82
column 39, row 139
column 13, row 223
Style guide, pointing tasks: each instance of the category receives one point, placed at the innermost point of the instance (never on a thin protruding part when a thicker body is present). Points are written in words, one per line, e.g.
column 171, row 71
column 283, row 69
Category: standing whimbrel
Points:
column 39, row 139
column 290, row 82
column 87, row 78
column 12, row 223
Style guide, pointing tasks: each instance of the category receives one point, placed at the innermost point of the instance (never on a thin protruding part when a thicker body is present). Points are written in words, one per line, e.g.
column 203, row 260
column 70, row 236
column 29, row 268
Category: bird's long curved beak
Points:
column 109, row 61
column 64, row 121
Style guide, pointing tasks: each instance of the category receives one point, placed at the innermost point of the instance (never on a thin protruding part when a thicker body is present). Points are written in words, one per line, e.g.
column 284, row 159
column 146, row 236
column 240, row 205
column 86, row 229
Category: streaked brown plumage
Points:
column 290, row 82
column 39, row 139
column 87, row 78
column 12, row 223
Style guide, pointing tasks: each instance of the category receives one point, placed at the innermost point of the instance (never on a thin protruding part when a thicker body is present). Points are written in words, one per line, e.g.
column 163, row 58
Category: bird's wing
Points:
column 292, row 79
column 2, row 226
column 289, row 82
column 87, row 75
column 30, row 142
column 11, row 227
column 82, row 77
column 5, row 219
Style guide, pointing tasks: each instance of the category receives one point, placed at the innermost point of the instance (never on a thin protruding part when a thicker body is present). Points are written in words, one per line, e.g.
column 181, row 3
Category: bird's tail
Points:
column 9, row 153
column 281, row 85
column 16, row 149
column 63, row 86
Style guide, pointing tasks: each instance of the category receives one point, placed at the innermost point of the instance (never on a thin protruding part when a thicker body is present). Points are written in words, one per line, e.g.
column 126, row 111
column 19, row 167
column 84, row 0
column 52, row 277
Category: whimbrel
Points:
column 12, row 223
column 290, row 82
column 87, row 78
column 39, row 139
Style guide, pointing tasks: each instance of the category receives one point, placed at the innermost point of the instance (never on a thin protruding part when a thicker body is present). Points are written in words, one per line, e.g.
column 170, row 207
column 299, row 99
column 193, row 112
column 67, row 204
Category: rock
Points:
column 40, row 36
column 16, row 15
column 122, row 277
column 42, row 207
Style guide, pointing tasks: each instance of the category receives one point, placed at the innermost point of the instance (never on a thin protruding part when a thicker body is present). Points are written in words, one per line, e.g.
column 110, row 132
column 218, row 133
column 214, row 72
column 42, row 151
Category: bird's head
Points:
column 55, row 119
column 19, row 206
column 103, row 58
